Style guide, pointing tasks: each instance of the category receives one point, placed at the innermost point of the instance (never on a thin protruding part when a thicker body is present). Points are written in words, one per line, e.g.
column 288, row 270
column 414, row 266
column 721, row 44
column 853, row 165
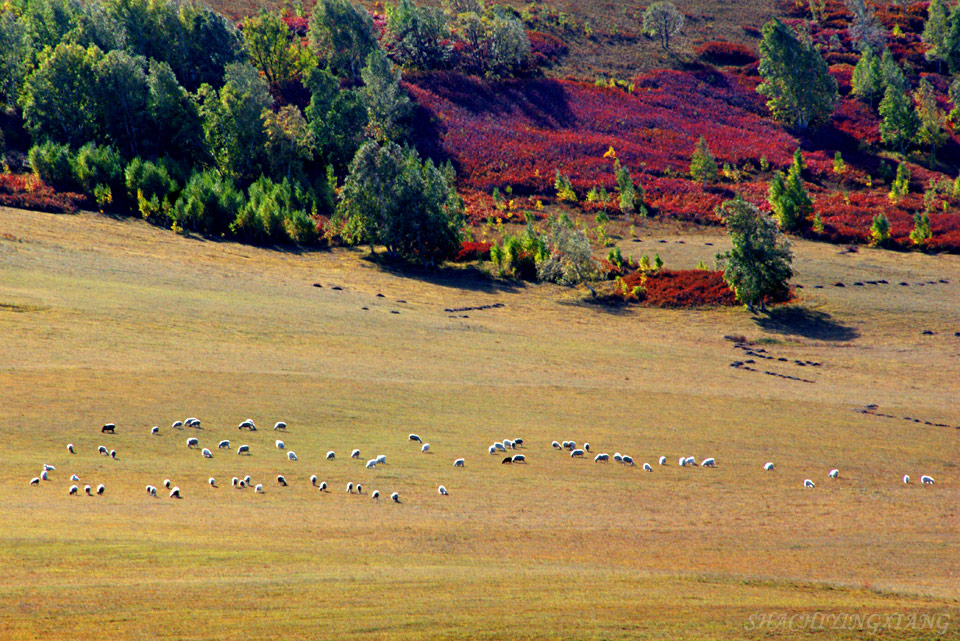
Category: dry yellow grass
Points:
column 112, row 320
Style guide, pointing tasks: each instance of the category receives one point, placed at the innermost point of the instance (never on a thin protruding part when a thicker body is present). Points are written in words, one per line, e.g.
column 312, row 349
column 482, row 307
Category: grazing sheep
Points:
column 44, row 476
column 618, row 457
column 177, row 425
column 834, row 473
column 570, row 445
column 586, row 447
column 576, row 453
column 499, row 447
column 74, row 477
column 74, row 489
column 359, row 489
column 519, row 458
column 175, row 493
column 459, row 462
column 627, row 460
column 323, row 486
column 443, row 491
column 682, row 461
column 375, row 494
column 35, row 481
column 70, row 448
column 88, row 490
column 206, row 453
column 708, row 462
column 492, row 449
column 662, row 461
column 414, row 437
column 280, row 444
column 349, row 488
column 507, row 460
column 425, row 448
column 508, row 443
column 247, row 425
column 113, row 454
column 355, row 454
column 193, row 422
column 906, row 479
column 101, row 489
column 371, row 464
column 313, row 480
column 331, row 455
column 396, row 497
column 280, row 425
column 259, row 488
column 235, row 482
column 926, row 480
column 193, row 442
column 691, row 461
column 281, row 481
column 166, row 483
column 212, row 481
column 109, row 428
column 223, row 445
column 103, row 450
column 647, row 468
column 155, row 430
column 808, row 483
column 556, row 446
column 601, row 458
column 243, row 449
column 152, row 491
column 246, row 479
column 518, row 442
column 768, row 466
column 292, row 456
column 381, row 459
column 49, row 468
column 242, row 484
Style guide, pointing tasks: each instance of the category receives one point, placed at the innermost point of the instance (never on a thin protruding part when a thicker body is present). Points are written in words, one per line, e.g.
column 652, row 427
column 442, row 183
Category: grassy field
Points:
column 113, row 320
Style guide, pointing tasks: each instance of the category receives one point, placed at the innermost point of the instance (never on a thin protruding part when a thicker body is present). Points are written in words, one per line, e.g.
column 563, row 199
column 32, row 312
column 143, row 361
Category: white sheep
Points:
column 425, row 448
column 414, row 437
column 808, row 483
column 601, row 458
column 371, row 464
column 508, row 443
column 247, row 424
column 618, row 457
column 627, row 460
column 647, row 468
column 243, row 449
column 113, row 454
column 177, row 425
column 235, row 482
column 242, row 484
column 166, row 483
column 281, row 481
column 35, row 481
column 193, row 442
column 323, row 486
column 74, row 477
column 499, row 447
column 44, row 476
column 834, row 473
column 292, row 455
column 280, row 444
column 691, row 461
column 155, row 430
column 103, row 450
column 926, row 480
column 152, row 491
column 206, row 453
column 359, row 489
column 101, row 489
column 349, row 488
column 459, row 462
column 246, row 479
column 375, row 494
column 313, row 480
column 586, row 447
column 259, row 488
column 906, row 479
column 212, row 481
column 355, row 454
column 88, row 490
column 381, row 459
column 175, row 493
column 49, row 467
column 682, row 461
column 518, row 442
column 768, row 466
column 70, row 448
column 280, row 425
column 396, row 497
column 193, row 421
column 708, row 462
column 662, row 461
column 223, row 445
column 443, row 491
column 519, row 458
column 492, row 449
column 578, row 453
column 331, row 455
column 556, row 446
column 74, row 489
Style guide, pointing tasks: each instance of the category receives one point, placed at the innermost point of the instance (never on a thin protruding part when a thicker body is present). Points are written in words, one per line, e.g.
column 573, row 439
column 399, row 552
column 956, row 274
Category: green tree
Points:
column 337, row 118
column 210, row 42
column 879, row 231
column 865, row 30
column 662, row 20
column 98, row 166
column 892, row 73
column 758, row 265
column 569, row 258
column 208, row 204
column 921, row 233
column 175, row 126
column 290, row 142
column 16, row 53
column 121, row 85
column 392, row 198
column 342, row 36
column 799, row 88
column 900, row 186
column 275, row 212
column 900, row 122
column 631, row 195
column 418, row 36
column 867, row 79
column 233, row 121
column 935, row 31
column 932, row 129
column 703, row 166
column 789, row 200
column 51, row 163
column 387, row 103
column 273, row 50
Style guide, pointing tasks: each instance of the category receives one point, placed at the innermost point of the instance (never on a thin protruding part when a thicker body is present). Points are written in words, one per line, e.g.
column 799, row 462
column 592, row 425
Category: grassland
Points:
column 113, row 320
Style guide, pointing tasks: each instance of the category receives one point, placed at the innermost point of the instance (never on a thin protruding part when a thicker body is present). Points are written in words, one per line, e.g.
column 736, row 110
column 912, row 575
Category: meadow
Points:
column 110, row 319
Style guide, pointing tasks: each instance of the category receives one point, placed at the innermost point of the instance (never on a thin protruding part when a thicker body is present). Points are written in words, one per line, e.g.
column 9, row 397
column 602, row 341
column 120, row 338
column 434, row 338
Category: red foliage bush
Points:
column 843, row 74
column 298, row 25
column 26, row 191
column 682, row 288
column 472, row 251
column 726, row 53
column 545, row 48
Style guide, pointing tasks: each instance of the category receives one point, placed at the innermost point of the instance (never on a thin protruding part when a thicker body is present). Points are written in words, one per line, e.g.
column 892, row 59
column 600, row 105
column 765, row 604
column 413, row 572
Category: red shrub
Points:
column 472, row 251
column 726, row 53
column 682, row 288
column 26, row 191
column 545, row 48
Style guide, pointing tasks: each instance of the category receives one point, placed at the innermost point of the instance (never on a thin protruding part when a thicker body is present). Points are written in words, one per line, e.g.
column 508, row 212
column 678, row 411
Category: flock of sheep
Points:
column 193, row 443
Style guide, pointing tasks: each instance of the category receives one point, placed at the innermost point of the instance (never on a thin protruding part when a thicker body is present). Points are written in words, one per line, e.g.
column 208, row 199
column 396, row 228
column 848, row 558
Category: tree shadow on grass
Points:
column 468, row 278
column 795, row 320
